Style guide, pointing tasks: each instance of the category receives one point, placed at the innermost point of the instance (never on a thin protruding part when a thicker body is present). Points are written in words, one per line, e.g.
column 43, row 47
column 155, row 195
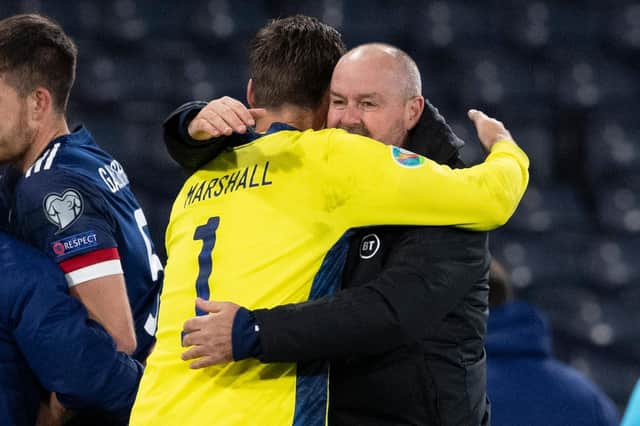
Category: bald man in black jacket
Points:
column 405, row 335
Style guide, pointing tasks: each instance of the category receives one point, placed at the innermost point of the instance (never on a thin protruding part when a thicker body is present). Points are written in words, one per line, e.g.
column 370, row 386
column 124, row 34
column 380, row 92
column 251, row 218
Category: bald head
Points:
column 376, row 92
column 384, row 57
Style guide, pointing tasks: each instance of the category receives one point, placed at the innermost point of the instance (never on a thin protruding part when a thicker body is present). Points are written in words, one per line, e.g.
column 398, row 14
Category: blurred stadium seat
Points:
column 612, row 140
column 213, row 22
column 556, row 208
column 588, row 77
column 540, row 259
column 535, row 25
column 123, row 77
column 623, row 29
column 610, row 261
column 451, row 24
column 618, row 203
column 388, row 20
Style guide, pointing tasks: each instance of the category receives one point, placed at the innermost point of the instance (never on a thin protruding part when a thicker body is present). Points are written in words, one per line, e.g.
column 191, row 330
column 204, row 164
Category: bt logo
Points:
column 369, row 246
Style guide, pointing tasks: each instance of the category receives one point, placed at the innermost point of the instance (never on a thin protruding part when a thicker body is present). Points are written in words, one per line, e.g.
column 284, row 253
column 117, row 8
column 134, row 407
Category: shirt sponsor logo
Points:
column 369, row 246
column 63, row 209
column 74, row 243
column 406, row 158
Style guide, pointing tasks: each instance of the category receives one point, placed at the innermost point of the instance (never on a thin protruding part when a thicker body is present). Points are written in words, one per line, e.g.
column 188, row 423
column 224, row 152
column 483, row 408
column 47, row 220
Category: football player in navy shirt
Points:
column 44, row 339
column 67, row 197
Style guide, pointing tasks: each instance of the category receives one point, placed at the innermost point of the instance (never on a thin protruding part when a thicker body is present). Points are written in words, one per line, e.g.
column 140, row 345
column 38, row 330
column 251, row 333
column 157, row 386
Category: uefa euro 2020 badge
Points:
column 406, row 158
column 63, row 209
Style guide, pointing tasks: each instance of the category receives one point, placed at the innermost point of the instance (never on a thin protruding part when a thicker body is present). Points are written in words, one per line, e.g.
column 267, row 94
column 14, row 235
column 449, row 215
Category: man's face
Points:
column 367, row 99
column 15, row 134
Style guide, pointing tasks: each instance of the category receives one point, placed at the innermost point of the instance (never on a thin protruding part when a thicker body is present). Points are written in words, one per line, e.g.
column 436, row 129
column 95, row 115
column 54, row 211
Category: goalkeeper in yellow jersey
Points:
column 413, row 302
column 265, row 223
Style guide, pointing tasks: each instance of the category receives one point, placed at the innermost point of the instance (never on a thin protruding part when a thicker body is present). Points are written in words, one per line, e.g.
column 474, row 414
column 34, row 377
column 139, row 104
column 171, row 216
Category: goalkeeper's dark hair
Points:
column 36, row 52
column 291, row 61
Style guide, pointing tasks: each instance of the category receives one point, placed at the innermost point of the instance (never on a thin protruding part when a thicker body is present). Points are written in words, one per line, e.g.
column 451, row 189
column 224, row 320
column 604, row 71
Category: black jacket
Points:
column 405, row 338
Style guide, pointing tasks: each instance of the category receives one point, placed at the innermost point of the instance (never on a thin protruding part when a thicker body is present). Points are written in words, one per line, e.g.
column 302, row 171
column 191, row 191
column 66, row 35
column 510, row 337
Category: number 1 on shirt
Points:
column 206, row 233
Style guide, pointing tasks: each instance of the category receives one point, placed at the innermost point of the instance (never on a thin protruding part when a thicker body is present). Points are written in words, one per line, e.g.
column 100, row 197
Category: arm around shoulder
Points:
column 374, row 184
column 186, row 151
column 507, row 179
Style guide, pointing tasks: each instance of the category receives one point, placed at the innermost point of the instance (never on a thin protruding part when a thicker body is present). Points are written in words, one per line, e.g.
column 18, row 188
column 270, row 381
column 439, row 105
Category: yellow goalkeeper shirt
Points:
column 254, row 226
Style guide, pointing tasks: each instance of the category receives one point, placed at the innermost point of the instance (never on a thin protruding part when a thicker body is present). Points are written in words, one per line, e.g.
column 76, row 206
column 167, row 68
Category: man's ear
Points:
column 40, row 104
column 250, row 94
column 413, row 111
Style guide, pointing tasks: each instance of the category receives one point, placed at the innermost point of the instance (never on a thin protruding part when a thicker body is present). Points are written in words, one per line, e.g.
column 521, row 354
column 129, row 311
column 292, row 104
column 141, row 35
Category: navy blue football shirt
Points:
column 75, row 204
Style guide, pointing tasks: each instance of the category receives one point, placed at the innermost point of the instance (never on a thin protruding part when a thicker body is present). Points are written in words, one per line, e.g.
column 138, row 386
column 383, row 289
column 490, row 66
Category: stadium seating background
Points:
column 560, row 74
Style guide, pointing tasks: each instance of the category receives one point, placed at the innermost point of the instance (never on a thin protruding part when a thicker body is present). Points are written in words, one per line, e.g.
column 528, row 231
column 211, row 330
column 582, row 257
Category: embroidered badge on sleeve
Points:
column 406, row 158
column 63, row 209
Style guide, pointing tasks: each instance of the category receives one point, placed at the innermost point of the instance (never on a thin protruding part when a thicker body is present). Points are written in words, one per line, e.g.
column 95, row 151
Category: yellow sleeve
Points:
column 374, row 184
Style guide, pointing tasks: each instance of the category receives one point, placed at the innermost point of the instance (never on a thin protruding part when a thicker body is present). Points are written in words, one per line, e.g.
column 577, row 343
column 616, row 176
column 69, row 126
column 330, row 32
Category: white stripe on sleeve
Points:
column 99, row 270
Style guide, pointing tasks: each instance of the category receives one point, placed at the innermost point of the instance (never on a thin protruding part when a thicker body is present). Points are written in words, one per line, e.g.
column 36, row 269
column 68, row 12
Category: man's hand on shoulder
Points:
column 223, row 116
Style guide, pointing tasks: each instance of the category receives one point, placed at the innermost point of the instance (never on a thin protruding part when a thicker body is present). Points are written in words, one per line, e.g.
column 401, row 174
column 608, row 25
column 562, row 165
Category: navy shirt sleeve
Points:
column 62, row 216
column 69, row 353
column 245, row 335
